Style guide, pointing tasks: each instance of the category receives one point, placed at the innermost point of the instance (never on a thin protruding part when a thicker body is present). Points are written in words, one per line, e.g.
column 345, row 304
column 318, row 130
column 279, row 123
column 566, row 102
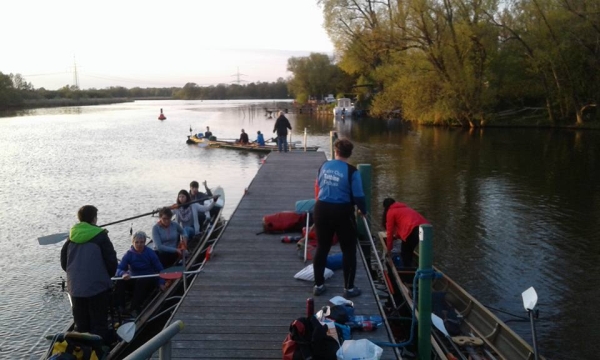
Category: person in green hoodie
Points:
column 89, row 258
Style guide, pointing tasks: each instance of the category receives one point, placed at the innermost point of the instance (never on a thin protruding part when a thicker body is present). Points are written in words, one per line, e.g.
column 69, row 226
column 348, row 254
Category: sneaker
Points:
column 350, row 293
column 318, row 290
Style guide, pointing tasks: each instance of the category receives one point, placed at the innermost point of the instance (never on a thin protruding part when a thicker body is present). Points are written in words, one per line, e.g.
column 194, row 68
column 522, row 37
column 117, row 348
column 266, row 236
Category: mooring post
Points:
column 365, row 175
column 332, row 139
column 425, row 267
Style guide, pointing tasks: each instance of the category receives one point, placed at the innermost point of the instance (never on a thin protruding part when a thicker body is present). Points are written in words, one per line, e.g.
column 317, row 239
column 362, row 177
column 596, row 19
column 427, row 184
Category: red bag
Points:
column 286, row 221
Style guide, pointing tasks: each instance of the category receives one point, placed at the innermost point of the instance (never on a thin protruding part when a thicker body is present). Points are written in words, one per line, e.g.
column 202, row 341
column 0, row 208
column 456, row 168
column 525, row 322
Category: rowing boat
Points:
column 247, row 147
column 500, row 342
column 158, row 309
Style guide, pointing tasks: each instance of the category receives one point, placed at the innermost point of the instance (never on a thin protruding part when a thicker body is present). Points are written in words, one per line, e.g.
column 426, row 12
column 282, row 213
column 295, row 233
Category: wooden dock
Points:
column 241, row 305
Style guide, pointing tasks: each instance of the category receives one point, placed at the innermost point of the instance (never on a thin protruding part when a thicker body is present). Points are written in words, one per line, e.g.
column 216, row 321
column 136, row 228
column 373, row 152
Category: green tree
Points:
column 315, row 76
column 9, row 96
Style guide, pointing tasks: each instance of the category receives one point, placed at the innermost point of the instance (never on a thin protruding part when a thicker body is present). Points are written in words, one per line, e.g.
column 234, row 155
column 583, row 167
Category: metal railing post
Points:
column 161, row 341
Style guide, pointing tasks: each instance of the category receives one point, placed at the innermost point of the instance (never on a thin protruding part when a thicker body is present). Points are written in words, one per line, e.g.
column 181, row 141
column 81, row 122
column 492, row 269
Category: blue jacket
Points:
column 144, row 263
column 260, row 139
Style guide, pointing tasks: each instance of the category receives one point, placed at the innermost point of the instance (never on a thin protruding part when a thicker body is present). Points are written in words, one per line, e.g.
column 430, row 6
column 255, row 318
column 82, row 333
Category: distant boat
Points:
column 161, row 116
column 344, row 107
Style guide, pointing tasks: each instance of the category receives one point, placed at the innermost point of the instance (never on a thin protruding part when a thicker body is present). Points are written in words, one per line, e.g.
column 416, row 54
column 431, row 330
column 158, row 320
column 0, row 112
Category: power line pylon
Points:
column 237, row 75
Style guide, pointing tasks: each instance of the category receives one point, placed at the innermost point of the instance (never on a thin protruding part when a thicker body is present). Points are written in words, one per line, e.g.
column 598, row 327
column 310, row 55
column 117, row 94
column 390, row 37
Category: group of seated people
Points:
column 170, row 239
column 243, row 140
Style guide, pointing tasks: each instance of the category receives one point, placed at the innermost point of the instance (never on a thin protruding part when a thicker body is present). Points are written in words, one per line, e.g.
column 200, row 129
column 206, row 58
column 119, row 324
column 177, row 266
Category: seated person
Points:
column 187, row 215
column 243, row 138
column 196, row 194
column 260, row 139
column 138, row 260
column 168, row 237
column 208, row 133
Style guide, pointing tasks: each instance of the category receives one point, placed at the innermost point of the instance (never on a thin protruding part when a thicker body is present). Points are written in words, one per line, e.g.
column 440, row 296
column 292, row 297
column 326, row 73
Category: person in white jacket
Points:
column 187, row 215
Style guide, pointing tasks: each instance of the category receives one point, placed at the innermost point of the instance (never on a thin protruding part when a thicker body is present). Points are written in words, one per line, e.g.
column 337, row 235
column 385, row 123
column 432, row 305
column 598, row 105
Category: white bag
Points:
column 361, row 349
column 308, row 273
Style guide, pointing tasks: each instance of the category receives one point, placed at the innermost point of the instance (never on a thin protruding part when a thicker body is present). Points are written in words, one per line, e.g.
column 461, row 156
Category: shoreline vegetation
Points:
column 464, row 63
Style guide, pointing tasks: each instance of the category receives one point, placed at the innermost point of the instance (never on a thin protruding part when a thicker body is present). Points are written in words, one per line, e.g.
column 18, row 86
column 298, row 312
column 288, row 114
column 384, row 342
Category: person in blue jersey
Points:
column 89, row 258
column 338, row 189
column 260, row 139
column 138, row 260
column 170, row 240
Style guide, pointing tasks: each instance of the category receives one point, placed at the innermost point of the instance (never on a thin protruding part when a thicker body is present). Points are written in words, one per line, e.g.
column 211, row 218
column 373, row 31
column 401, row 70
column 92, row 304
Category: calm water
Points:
column 511, row 208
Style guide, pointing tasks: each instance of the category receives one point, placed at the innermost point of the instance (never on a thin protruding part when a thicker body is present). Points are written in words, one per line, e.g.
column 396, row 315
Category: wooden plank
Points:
column 241, row 305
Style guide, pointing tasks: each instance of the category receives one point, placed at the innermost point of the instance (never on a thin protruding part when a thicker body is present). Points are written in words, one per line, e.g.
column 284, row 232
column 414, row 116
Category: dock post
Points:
column 332, row 138
column 365, row 175
column 425, row 267
column 305, row 135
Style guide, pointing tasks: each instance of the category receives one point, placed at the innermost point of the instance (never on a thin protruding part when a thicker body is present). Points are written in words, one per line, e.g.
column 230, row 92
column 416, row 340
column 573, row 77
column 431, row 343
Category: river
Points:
column 511, row 208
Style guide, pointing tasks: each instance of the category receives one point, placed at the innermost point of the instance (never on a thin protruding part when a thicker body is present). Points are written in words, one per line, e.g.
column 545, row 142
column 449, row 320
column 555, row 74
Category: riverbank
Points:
column 46, row 103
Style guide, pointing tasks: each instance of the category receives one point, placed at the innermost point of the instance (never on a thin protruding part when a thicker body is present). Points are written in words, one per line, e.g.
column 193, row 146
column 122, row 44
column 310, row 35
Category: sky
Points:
column 156, row 43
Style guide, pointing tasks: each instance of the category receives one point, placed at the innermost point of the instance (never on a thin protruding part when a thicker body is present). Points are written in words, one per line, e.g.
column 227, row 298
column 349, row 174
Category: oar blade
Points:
column 172, row 273
column 439, row 324
column 529, row 298
column 126, row 331
column 52, row 239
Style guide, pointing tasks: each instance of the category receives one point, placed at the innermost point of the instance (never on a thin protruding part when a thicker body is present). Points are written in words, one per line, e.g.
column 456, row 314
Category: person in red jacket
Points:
column 402, row 222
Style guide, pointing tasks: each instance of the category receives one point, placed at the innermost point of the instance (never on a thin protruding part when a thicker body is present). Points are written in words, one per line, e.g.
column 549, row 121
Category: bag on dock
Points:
column 285, row 221
column 308, row 339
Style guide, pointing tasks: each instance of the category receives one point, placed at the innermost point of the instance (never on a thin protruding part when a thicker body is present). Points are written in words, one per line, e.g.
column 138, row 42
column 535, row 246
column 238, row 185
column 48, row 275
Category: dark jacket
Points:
column 89, row 259
column 281, row 125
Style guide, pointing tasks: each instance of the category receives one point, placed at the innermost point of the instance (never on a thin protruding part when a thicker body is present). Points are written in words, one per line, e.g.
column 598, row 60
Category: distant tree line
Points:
column 17, row 93
column 467, row 62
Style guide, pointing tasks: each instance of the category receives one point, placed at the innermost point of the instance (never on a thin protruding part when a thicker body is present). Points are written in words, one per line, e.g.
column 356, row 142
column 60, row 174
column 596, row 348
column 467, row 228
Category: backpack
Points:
column 77, row 346
column 285, row 221
column 308, row 339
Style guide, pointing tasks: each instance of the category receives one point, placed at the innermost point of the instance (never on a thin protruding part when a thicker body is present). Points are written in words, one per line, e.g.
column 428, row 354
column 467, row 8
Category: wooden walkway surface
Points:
column 241, row 305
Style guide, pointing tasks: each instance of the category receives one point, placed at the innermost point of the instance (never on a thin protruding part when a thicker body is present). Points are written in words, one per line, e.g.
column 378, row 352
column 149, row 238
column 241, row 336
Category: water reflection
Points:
column 511, row 208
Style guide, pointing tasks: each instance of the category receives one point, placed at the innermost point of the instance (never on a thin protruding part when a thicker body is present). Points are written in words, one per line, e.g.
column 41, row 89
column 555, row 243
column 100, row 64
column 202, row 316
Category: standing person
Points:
column 186, row 214
column 168, row 237
column 138, row 260
column 401, row 222
column 260, row 139
column 208, row 133
column 90, row 260
column 243, row 138
column 339, row 188
column 282, row 124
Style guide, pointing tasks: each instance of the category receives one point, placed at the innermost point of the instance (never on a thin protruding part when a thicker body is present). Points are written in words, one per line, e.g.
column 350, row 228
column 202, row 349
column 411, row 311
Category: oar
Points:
column 529, row 301
column 126, row 331
column 386, row 278
column 172, row 273
column 439, row 324
column 56, row 238
column 306, row 238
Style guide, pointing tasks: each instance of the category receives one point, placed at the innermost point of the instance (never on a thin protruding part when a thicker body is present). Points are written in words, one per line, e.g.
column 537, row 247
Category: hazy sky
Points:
column 156, row 43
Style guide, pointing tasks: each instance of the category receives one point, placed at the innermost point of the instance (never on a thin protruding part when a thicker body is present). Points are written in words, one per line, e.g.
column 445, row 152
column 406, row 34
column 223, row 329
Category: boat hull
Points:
column 477, row 320
column 250, row 147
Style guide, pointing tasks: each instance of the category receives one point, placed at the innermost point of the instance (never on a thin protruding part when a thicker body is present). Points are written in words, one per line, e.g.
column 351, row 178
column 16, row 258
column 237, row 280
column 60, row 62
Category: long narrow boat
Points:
column 249, row 147
column 158, row 309
column 500, row 342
